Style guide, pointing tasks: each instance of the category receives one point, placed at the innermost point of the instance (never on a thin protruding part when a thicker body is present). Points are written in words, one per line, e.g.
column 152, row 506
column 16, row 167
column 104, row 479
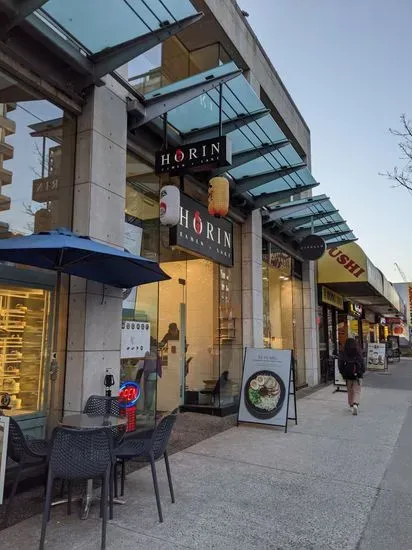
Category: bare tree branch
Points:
column 403, row 176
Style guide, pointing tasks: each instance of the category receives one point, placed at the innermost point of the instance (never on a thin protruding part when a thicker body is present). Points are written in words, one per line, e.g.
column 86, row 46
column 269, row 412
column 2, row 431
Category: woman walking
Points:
column 352, row 368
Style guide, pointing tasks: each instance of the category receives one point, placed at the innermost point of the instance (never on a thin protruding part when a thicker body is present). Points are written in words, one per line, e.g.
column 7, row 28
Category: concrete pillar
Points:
column 95, row 311
column 310, row 323
column 252, row 297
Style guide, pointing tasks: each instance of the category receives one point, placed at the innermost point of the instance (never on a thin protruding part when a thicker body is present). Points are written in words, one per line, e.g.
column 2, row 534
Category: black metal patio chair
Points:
column 80, row 455
column 101, row 405
column 26, row 453
column 151, row 447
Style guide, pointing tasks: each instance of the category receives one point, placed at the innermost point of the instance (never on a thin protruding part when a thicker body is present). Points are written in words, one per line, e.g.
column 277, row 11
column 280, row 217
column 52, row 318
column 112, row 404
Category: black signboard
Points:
column 202, row 155
column 312, row 247
column 202, row 234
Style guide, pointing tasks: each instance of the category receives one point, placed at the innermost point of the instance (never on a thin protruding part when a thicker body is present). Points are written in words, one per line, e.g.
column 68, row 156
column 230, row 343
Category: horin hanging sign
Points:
column 202, row 234
column 195, row 157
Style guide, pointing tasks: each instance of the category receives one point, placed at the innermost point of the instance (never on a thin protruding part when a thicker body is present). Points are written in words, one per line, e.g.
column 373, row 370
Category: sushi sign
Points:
column 268, row 388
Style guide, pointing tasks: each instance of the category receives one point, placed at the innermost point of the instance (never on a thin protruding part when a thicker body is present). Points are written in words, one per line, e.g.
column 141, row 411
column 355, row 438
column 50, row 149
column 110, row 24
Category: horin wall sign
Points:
column 195, row 157
column 202, row 233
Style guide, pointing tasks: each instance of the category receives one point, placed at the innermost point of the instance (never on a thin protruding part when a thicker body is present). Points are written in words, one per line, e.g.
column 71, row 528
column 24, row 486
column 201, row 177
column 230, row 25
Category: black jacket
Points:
column 346, row 358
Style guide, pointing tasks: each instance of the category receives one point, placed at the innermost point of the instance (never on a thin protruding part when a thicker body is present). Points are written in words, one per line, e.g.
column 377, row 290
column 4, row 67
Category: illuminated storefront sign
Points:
column 355, row 310
column 129, row 393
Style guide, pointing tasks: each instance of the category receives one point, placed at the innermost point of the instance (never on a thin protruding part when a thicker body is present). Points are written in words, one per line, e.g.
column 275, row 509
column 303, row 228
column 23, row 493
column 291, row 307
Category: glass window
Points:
column 195, row 317
column 141, row 304
column 24, row 340
column 37, row 151
column 283, row 326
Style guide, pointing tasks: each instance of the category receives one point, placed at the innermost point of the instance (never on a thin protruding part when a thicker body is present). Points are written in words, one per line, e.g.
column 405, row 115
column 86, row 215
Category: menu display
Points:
column 266, row 387
column 377, row 357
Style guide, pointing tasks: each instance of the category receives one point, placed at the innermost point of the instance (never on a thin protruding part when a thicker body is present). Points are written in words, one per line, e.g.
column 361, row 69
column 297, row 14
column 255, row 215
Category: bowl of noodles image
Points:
column 264, row 394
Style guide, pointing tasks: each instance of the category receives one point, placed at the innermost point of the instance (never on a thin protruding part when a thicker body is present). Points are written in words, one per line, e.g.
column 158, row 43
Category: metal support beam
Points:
column 251, row 154
column 109, row 59
column 266, row 199
column 336, row 235
column 334, row 244
column 282, row 210
column 252, row 182
column 157, row 106
column 299, row 233
column 17, row 12
column 38, row 85
column 228, row 126
column 303, row 220
column 65, row 50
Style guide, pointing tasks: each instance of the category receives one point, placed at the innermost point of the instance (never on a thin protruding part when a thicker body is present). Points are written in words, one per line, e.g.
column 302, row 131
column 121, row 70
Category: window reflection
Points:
column 35, row 167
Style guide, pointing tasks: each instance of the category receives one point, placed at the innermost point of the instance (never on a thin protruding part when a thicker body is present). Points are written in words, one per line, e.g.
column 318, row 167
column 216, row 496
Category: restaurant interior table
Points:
column 83, row 421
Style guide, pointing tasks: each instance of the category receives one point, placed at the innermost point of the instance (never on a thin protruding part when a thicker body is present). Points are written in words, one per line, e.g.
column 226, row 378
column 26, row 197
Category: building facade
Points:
column 82, row 119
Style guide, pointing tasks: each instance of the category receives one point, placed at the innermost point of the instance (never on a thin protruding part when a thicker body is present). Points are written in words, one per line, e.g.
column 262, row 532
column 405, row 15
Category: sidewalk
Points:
column 334, row 481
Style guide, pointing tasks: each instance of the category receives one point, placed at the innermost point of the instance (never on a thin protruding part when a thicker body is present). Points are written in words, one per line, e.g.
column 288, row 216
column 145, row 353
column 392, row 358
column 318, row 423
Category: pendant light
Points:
column 218, row 197
column 169, row 205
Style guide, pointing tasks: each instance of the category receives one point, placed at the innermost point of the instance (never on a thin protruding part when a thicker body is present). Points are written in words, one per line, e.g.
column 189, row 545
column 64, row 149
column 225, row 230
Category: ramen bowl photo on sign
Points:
column 264, row 394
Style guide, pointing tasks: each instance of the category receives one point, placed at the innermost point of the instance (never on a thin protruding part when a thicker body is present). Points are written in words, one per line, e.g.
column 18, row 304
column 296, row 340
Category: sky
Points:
column 346, row 64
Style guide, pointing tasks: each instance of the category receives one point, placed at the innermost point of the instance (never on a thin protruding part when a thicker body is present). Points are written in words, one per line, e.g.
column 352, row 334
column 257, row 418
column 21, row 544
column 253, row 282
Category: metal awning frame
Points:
column 63, row 62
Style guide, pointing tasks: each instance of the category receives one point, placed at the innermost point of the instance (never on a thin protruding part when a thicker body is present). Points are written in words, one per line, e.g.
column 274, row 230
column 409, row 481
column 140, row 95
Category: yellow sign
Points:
column 332, row 298
column 343, row 264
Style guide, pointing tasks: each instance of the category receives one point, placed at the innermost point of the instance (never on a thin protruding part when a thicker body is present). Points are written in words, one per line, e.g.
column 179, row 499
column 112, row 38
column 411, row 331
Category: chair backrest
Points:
column 17, row 448
column 80, row 454
column 161, row 434
column 100, row 405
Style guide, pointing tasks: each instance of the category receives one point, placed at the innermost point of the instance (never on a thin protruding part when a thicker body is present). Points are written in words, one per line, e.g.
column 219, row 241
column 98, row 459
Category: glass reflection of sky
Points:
column 26, row 163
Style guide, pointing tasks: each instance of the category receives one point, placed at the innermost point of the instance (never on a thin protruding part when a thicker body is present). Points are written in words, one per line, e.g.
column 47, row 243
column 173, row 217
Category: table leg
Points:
column 87, row 500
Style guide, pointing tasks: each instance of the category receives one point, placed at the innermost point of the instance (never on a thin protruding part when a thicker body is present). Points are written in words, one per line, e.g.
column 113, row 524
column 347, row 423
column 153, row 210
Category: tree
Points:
column 403, row 176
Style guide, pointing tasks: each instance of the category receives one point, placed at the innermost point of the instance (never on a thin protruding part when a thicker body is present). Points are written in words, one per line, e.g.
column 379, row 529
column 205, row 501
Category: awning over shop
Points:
column 300, row 218
column 347, row 270
column 74, row 43
column 266, row 171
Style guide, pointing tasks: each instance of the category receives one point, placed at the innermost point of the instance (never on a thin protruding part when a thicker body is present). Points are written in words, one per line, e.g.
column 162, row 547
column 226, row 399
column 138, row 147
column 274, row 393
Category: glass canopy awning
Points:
column 77, row 42
column 300, row 218
column 101, row 24
column 266, row 170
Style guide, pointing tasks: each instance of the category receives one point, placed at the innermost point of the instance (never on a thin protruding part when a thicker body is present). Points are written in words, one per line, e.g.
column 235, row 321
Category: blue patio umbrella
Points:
column 65, row 252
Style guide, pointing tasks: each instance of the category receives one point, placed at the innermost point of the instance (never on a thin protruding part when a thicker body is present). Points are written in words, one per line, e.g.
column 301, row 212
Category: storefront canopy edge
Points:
column 300, row 218
column 74, row 43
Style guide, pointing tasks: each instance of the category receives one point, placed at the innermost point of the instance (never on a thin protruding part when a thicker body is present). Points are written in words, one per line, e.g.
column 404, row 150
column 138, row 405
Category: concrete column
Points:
column 252, row 298
column 95, row 311
column 310, row 325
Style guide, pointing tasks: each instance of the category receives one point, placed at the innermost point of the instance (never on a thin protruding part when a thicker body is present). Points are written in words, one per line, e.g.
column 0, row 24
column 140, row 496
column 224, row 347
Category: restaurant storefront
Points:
column 88, row 165
column 368, row 295
column 195, row 318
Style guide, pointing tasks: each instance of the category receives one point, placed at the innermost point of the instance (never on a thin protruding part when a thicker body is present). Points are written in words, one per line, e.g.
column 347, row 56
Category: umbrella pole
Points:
column 54, row 366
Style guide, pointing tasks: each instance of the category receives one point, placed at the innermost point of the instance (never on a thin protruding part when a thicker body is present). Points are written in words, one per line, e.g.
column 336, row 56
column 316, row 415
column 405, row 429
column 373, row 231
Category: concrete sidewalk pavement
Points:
column 333, row 482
